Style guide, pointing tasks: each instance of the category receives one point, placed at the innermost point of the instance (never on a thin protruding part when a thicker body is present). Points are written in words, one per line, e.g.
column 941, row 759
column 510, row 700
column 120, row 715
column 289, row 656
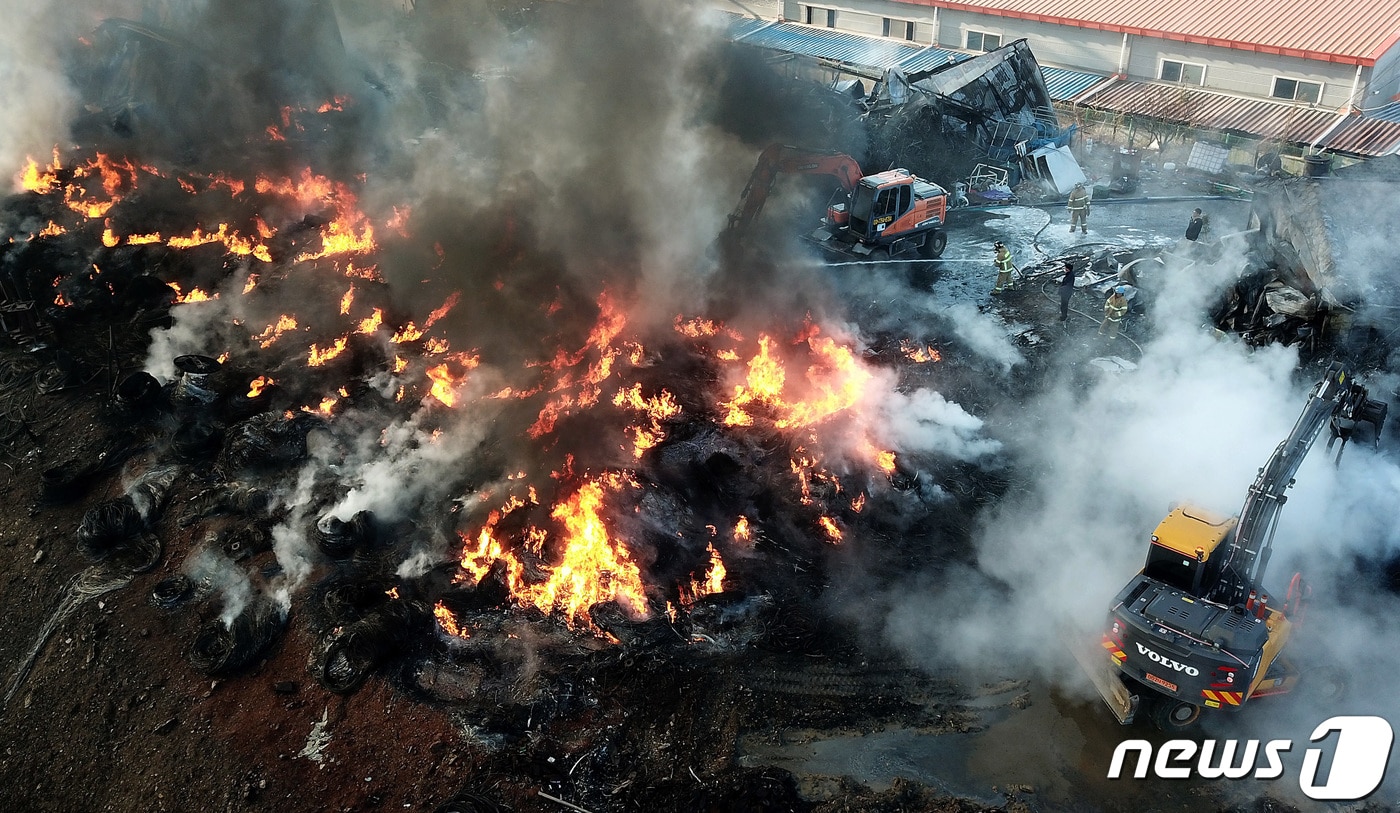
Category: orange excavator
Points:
column 874, row 217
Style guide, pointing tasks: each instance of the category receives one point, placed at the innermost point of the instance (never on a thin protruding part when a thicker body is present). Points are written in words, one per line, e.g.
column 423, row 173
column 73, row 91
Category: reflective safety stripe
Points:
column 1115, row 652
column 1231, row 698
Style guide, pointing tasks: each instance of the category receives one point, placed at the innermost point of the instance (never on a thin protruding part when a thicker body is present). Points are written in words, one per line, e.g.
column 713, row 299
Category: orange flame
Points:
column 442, row 311
column 410, row 333
column 371, row 323
column 42, row 180
column 828, row 524
column 834, row 383
column 448, row 621
column 742, row 532
column 917, row 353
column 593, row 567
column 317, row 357
column 284, row 323
column 257, row 385
column 195, row 294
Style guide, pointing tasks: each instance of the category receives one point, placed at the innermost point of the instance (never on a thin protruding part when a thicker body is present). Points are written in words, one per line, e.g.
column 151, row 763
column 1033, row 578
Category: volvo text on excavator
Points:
column 1195, row 629
column 893, row 213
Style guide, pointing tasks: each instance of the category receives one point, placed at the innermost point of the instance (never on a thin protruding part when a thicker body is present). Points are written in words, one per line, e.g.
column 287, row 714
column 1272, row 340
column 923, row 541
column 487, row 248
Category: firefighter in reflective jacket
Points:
column 1004, row 267
column 1114, row 309
column 1079, row 208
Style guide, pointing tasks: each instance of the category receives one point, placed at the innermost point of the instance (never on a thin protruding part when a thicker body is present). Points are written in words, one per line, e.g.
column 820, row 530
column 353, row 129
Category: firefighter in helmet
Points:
column 1004, row 267
column 1078, row 206
column 1114, row 309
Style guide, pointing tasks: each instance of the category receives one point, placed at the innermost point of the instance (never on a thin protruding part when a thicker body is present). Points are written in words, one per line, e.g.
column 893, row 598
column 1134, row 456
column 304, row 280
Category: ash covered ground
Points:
column 385, row 433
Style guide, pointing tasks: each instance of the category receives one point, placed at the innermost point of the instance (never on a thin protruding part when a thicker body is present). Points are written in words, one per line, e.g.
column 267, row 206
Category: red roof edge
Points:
column 1239, row 45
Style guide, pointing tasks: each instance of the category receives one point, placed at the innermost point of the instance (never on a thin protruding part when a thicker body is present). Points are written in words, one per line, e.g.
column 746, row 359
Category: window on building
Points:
column 816, row 15
column 1296, row 89
column 982, row 41
column 902, row 29
column 1186, row 73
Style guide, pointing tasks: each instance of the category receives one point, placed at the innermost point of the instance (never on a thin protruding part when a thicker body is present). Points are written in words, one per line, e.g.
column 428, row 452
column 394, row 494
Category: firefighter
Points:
column 1078, row 208
column 1114, row 309
column 1004, row 267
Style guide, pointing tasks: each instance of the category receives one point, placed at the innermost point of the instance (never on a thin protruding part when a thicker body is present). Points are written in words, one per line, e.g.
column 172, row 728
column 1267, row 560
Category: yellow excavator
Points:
column 1195, row 629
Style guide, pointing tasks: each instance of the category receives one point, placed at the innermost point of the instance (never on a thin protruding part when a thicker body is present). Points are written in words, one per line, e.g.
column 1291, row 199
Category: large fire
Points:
column 604, row 385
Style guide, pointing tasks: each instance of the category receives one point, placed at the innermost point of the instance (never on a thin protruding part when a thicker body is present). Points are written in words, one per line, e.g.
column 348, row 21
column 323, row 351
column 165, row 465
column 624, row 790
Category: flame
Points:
column 284, row 323
column 571, row 389
column 444, row 384
column 343, row 236
column 42, row 180
column 399, row 222
column 142, row 239
column 108, row 239
column 392, row 592
column 657, row 409
column 442, row 311
column 195, row 294
column 400, row 364
column 257, row 385
column 346, row 301
column 318, row 357
column 250, row 284
column 60, row 300
column 828, row 524
column 52, row 230
column 917, row 353
column 327, row 404
column 448, row 621
column 336, row 103
column 593, row 567
column 233, row 242
column 885, row 461
column 714, row 579
column 371, row 323
column 834, row 383
column 410, row 333
column 858, row 504
column 742, row 532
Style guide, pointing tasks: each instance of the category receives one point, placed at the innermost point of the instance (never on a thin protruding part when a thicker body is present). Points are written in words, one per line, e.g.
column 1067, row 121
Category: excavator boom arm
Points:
column 1334, row 396
column 779, row 159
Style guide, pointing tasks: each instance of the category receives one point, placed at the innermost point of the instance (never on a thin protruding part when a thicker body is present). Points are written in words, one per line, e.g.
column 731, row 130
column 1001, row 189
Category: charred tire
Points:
column 1174, row 716
column 933, row 245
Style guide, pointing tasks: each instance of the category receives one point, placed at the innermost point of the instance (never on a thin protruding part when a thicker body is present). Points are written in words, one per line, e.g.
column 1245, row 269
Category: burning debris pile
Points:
column 642, row 474
column 347, row 418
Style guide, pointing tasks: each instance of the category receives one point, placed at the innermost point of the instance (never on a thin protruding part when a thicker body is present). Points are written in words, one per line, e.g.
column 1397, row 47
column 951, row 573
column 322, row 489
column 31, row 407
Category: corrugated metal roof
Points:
column 1352, row 31
column 931, row 57
column 826, row 43
column 1065, row 84
column 739, row 25
column 1212, row 111
column 1359, row 135
column 1390, row 112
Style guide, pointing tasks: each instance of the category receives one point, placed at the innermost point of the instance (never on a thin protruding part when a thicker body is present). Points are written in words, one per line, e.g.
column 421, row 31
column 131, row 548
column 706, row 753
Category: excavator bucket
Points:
column 1094, row 661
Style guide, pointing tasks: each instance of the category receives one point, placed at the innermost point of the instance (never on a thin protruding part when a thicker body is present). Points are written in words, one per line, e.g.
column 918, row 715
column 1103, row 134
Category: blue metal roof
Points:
column 825, row 43
column 1065, row 84
column 1390, row 113
column 740, row 26
column 931, row 57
